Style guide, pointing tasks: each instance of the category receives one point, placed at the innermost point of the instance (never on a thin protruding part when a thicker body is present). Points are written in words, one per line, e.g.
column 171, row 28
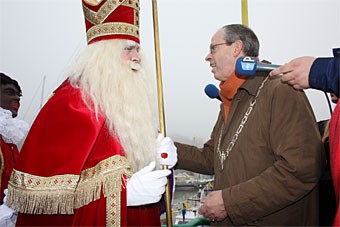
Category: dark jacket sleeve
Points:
column 199, row 160
column 324, row 73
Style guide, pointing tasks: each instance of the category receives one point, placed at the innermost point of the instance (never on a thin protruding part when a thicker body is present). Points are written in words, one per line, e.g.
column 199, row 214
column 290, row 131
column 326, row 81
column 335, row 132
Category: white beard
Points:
column 126, row 97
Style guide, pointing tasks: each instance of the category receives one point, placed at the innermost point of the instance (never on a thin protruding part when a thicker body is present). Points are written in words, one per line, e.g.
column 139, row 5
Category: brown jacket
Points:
column 271, row 173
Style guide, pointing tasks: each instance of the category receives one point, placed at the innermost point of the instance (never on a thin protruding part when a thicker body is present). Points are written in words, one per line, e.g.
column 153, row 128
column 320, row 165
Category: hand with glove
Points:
column 7, row 215
column 5, row 193
column 146, row 186
column 167, row 151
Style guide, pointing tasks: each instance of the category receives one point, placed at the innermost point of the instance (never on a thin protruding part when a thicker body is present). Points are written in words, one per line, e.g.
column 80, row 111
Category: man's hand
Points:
column 295, row 72
column 213, row 207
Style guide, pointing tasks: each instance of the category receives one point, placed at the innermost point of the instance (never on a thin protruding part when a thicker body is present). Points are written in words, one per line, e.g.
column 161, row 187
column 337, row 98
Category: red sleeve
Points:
column 63, row 132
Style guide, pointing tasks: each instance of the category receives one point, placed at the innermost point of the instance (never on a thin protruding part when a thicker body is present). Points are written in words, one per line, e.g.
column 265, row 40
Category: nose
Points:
column 134, row 56
column 135, row 59
column 208, row 57
column 15, row 98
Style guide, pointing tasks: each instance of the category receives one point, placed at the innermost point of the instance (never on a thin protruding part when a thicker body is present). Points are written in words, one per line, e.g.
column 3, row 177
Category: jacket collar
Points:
column 252, row 84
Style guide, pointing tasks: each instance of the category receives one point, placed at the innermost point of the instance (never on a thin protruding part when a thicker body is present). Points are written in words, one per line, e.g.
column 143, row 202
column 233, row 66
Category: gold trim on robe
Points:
column 61, row 194
column 113, row 208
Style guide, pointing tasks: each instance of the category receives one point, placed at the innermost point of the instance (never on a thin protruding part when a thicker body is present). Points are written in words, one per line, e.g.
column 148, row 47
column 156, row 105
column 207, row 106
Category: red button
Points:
column 164, row 155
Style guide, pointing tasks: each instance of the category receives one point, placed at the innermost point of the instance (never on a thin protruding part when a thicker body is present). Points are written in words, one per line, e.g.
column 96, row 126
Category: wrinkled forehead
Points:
column 218, row 36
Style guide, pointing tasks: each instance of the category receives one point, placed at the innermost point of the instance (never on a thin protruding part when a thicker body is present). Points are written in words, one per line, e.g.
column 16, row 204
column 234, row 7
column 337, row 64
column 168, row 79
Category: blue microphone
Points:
column 212, row 92
column 248, row 66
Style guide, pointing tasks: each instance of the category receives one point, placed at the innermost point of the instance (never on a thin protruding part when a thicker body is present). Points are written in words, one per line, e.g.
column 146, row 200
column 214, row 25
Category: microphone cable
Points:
column 329, row 103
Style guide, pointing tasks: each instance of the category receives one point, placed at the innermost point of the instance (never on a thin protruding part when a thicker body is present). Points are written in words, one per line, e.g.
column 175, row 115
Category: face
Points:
column 10, row 98
column 131, row 55
column 222, row 58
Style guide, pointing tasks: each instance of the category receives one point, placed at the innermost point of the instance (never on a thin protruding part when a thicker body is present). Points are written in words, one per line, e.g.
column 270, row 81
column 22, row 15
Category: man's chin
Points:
column 14, row 113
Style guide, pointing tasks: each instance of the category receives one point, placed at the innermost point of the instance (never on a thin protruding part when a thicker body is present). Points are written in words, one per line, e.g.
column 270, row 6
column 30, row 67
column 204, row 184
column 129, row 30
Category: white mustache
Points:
column 134, row 65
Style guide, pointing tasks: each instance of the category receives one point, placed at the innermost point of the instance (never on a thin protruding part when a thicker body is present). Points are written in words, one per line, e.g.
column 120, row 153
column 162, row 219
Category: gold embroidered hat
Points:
column 111, row 19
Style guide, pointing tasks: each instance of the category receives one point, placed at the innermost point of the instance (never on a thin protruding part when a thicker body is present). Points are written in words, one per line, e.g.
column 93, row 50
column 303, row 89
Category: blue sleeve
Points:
column 324, row 73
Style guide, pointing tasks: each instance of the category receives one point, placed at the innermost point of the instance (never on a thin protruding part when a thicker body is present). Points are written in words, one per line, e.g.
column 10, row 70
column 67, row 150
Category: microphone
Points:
column 248, row 66
column 212, row 92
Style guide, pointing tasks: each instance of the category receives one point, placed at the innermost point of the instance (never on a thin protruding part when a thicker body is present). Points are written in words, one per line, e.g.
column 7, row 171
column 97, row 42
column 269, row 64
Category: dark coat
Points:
column 271, row 174
column 325, row 73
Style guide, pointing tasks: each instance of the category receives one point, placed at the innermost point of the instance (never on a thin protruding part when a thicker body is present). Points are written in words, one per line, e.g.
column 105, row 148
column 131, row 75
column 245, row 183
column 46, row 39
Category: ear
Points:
column 238, row 48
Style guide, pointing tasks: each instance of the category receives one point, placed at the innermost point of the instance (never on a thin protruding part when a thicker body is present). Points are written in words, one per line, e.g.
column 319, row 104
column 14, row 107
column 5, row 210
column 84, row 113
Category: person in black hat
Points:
column 12, row 132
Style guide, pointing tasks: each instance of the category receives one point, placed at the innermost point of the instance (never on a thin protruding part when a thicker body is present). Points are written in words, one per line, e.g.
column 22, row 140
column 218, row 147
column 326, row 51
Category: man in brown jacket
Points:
column 265, row 150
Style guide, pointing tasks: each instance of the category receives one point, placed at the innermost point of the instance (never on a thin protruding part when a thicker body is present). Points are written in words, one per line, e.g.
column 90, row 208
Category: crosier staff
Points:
column 161, row 104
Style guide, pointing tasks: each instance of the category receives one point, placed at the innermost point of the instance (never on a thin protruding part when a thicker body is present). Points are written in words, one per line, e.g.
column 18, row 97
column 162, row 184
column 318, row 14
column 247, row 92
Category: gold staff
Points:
column 161, row 104
column 244, row 5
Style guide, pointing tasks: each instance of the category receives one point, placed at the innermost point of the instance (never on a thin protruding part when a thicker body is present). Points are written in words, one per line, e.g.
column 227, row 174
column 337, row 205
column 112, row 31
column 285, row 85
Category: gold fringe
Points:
column 105, row 177
column 40, row 202
column 108, row 184
column 62, row 194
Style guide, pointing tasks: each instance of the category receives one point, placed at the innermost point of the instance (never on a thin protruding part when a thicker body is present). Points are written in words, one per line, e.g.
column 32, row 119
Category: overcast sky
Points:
column 42, row 38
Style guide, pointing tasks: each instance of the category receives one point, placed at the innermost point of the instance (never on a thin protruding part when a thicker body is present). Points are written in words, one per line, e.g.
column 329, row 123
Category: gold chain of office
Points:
column 223, row 155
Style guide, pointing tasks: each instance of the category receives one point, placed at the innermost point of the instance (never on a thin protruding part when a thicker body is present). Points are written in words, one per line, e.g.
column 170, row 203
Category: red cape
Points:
column 71, row 170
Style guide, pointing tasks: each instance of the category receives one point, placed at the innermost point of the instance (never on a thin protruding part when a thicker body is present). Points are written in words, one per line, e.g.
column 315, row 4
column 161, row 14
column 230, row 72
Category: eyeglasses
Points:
column 213, row 47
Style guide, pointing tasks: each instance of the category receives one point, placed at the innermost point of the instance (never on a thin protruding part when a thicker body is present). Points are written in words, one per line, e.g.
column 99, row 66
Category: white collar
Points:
column 12, row 130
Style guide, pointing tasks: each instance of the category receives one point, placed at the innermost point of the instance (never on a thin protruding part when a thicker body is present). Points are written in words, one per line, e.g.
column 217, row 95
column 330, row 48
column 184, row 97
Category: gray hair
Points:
column 241, row 32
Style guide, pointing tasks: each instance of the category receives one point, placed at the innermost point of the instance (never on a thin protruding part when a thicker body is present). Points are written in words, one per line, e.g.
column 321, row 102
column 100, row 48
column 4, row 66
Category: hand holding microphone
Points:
column 295, row 72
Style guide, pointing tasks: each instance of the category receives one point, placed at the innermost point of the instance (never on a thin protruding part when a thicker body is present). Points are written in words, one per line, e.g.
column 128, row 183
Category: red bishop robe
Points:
column 72, row 172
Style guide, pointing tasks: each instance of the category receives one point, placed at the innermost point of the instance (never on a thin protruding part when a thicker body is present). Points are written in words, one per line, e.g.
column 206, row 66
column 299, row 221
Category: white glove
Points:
column 146, row 186
column 6, row 214
column 5, row 192
column 166, row 146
